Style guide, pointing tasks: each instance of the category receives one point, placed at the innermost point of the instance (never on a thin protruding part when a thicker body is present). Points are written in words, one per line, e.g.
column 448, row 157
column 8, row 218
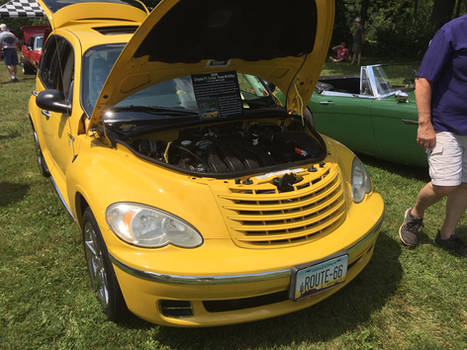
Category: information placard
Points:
column 217, row 94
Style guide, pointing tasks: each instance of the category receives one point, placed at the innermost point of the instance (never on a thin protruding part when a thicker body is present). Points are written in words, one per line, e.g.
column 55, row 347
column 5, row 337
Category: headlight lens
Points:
column 149, row 227
column 361, row 183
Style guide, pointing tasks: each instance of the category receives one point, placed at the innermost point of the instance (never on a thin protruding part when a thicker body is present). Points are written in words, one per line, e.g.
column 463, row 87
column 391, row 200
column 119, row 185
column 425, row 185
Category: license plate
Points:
column 315, row 278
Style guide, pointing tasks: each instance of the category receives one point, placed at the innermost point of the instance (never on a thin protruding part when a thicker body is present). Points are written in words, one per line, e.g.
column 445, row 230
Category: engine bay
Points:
column 231, row 149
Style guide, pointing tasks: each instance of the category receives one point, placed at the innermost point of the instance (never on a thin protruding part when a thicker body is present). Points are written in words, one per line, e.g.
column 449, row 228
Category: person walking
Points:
column 358, row 37
column 8, row 42
column 441, row 86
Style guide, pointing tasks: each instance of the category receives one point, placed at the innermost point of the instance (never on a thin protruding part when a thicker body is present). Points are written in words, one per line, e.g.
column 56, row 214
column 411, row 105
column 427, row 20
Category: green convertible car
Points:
column 368, row 115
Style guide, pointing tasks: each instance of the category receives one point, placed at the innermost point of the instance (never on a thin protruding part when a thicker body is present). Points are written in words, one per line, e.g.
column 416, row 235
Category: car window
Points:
column 56, row 68
column 38, row 42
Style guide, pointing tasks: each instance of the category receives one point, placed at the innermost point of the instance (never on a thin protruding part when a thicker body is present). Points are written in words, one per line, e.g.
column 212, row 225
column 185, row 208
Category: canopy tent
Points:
column 21, row 8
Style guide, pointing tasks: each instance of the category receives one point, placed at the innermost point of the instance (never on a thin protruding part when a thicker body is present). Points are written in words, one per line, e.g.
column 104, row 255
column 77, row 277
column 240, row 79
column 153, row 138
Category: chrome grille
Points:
column 260, row 215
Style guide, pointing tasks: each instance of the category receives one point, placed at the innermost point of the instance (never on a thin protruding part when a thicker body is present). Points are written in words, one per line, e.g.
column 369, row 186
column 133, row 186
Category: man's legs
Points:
column 448, row 170
column 429, row 195
column 12, row 70
column 455, row 208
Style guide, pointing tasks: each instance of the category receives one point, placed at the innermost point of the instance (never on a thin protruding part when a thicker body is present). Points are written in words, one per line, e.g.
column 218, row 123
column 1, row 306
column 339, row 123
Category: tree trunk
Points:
column 415, row 11
column 363, row 11
column 458, row 8
column 441, row 13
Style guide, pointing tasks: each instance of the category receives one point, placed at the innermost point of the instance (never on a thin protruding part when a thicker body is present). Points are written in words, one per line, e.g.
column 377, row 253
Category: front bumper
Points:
column 212, row 300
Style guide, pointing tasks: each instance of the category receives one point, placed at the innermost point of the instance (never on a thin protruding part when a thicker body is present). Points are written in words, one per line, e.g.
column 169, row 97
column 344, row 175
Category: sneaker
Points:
column 409, row 229
column 453, row 244
column 14, row 80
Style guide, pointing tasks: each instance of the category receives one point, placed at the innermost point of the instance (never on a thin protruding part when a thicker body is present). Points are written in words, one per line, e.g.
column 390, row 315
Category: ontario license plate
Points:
column 312, row 279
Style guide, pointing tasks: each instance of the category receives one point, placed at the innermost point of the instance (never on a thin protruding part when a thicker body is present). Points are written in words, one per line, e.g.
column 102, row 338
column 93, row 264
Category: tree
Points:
column 364, row 11
column 441, row 13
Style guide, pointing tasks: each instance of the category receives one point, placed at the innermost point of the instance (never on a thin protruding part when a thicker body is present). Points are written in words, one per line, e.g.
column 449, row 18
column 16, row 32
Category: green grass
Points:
column 404, row 299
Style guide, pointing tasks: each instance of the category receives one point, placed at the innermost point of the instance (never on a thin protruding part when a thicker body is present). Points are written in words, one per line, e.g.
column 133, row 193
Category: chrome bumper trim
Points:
column 227, row 279
column 201, row 280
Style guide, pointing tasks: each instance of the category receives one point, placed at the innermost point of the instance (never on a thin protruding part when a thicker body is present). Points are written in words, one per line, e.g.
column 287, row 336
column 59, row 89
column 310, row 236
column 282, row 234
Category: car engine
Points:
column 231, row 147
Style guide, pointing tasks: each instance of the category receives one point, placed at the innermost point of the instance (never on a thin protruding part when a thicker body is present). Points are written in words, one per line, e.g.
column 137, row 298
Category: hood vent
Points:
column 116, row 30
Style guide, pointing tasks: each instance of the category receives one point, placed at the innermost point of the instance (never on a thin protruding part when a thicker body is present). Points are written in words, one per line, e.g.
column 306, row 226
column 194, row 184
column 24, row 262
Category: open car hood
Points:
column 62, row 12
column 282, row 42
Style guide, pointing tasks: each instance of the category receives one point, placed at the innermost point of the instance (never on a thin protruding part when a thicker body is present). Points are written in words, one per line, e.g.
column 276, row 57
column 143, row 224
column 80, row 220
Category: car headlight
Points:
column 361, row 183
column 149, row 227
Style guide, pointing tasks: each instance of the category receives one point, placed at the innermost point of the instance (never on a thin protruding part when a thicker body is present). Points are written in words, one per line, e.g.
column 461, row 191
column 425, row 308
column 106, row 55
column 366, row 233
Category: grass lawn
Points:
column 404, row 299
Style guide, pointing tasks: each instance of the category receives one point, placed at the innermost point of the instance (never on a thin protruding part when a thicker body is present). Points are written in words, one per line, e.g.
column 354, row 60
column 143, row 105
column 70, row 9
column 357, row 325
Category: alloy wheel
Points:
column 96, row 267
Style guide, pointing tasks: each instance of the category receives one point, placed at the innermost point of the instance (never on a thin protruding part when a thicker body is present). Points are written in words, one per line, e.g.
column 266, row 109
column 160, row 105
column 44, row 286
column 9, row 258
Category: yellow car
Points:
column 202, row 201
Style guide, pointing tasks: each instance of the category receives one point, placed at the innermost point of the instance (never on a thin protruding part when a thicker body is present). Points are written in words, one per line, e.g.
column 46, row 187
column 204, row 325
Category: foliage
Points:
column 398, row 33
column 394, row 28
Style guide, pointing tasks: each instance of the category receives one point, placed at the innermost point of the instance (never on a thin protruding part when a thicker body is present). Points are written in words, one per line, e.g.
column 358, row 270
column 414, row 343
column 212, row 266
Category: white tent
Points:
column 21, row 8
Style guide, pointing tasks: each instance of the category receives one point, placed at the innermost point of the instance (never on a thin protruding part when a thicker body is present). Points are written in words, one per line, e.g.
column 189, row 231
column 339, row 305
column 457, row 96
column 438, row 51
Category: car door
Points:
column 346, row 118
column 56, row 72
column 396, row 126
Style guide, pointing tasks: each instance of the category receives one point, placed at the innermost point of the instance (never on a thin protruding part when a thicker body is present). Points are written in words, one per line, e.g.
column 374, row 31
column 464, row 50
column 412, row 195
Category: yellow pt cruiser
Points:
column 201, row 198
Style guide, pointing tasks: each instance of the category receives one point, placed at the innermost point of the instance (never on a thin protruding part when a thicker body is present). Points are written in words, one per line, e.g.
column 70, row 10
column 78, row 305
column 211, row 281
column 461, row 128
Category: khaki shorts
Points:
column 448, row 159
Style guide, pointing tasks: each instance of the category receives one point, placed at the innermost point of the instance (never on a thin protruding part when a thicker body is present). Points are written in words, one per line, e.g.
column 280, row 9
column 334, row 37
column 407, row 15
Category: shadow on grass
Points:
column 10, row 135
column 13, row 83
column 11, row 192
column 342, row 312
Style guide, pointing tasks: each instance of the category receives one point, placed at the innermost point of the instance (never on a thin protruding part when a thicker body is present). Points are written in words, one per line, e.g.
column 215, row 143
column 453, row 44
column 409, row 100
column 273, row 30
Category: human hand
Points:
column 426, row 136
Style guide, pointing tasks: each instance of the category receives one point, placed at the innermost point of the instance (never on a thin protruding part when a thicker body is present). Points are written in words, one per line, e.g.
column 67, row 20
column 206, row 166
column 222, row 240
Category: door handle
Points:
column 408, row 121
column 326, row 103
column 45, row 113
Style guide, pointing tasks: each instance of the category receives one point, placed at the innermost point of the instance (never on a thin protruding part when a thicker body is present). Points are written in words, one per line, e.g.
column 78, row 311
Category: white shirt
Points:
column 8, row 40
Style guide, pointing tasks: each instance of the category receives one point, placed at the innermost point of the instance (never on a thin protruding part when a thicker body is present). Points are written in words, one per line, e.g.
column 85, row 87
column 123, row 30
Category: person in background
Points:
column 358, row 37
column 8, row 42
column 342, row 52
column 441, row 86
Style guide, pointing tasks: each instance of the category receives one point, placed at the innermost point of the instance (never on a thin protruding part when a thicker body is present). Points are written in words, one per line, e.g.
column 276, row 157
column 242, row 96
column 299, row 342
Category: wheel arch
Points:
column 80, row 206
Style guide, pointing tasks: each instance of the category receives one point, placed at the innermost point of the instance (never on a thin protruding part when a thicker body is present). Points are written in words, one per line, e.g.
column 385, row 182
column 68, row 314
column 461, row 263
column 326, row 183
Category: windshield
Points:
column 382, row 82
column 176, row 94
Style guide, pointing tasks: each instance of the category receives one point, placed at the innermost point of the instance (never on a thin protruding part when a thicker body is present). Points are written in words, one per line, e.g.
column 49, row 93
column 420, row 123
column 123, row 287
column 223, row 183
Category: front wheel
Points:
column 101, row 273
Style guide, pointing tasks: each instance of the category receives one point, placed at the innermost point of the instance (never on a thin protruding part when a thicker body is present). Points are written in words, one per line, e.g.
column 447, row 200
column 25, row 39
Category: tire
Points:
column 39, row 157
column 101, row 273
column 26, row 67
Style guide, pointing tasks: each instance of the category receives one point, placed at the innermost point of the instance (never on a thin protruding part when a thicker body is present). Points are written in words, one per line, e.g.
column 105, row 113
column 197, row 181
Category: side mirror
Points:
column 401, row 97
column 53, row 100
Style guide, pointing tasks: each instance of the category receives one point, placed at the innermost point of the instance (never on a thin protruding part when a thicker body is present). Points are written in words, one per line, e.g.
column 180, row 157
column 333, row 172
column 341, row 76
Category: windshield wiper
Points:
column 156, row 110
